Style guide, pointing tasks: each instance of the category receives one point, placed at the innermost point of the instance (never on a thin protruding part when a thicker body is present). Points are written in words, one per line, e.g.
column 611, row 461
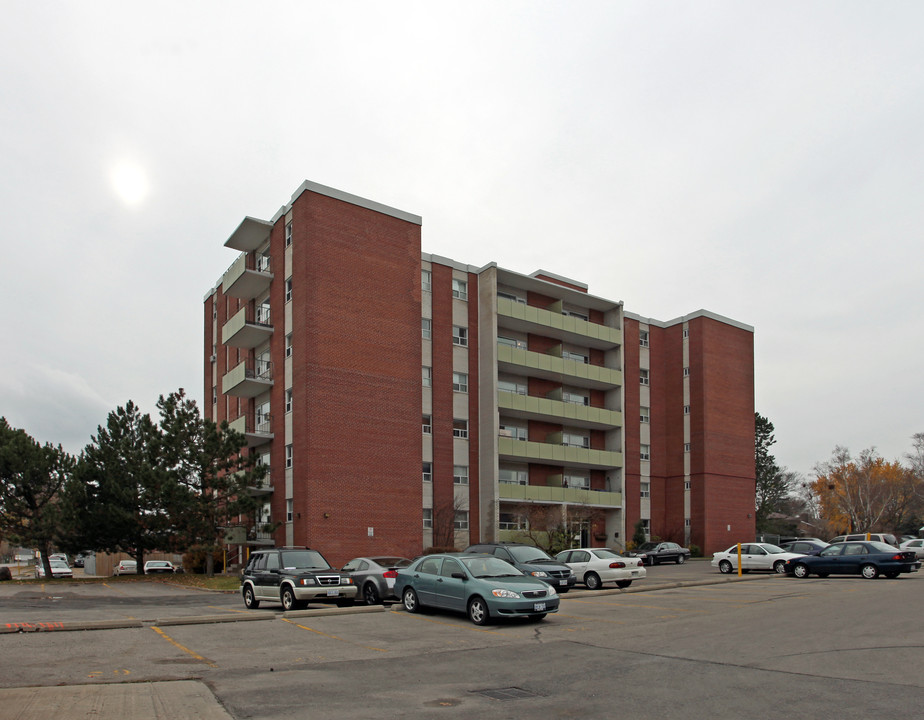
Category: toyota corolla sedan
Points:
column 482, row 586
column 596, row 566
column 754, row 556
column 869, row 559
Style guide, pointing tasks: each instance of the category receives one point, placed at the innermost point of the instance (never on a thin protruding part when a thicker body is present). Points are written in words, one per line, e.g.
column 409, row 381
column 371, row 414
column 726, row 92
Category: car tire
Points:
column 725, row 567
column 250, row 600
column 779, row 567
column 622, row 584
column 410, row 601
column 371, row 594
column 800, row 570
column 681, row 559
column 592, row 581
column 478, row 611
column 652, row 561
column 288, row 599
column 869, row 571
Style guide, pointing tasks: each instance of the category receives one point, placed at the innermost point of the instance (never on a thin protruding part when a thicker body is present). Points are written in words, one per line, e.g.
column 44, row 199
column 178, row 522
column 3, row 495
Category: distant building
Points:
column 402, row 400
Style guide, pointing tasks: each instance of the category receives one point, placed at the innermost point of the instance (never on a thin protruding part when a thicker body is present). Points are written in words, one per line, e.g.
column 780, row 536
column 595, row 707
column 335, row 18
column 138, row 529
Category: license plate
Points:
column 333, row 593
column 634, row 572
column 563, row 583
column 538, row 607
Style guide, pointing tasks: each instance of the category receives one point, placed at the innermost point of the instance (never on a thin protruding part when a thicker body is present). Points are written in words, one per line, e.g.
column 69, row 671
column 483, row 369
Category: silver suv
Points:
column 878, row 537
column 293, row 576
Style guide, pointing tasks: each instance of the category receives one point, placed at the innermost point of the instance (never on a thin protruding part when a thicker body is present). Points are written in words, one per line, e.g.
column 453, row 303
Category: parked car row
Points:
column 487, row 580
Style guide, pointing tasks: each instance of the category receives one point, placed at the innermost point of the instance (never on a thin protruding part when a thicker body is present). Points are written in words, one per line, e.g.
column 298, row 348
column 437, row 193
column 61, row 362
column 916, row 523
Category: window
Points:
column 686, row 372
column 687, row 485
column 459, row 336
column 643, row 338
column 425, row 282
column 645, row 414
column 646, row 526
column 515, row 432
column 288, row 401
column 427, row 425
column 511, row 342
column 575, row 398
column 263, row 313
column 288, row 234
column 425, row 330
column 460, row 428
column 511, row 476
column 686, row 522
column 646, row 452
column 686, row 409
column 460, row 382
column 511, row 521
column 645, row 489
column 511, row 386
column 643, row 377
column 580, row 357
column 510, row 296
column 427, row 376
column 461, row 520
column 288, row 289
column 571, row 439
column 460, row 289
column 288, row 456
column 575, row 314
column 460, row 474
column 289, row 508
column 427, row 519
column 686, row 332
column 686, row 447
column 576, row 480
column 289, row 345
column 427, row 472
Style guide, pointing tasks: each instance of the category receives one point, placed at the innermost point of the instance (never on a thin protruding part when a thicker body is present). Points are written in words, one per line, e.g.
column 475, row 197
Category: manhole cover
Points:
column 511, row 693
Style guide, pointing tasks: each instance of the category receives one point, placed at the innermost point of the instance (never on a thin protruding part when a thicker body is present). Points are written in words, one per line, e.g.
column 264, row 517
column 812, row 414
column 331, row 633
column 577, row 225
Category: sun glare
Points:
column 129, row 182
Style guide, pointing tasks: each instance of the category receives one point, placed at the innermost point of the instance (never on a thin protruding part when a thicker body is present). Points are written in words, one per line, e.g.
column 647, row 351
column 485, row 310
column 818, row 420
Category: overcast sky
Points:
column 761, row 161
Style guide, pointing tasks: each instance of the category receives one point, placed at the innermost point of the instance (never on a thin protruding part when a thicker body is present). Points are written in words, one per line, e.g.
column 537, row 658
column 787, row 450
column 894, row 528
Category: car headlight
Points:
column 504, row 593
column 307, row 581
column 346, row 581
column 539, row 573
column 552, row 590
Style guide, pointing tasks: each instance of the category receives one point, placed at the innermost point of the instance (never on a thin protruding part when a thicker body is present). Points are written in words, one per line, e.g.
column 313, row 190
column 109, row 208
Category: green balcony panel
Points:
column 594, row 375
column 573, row 328
column 558, row 411
column 545, row 494
column 549, row 454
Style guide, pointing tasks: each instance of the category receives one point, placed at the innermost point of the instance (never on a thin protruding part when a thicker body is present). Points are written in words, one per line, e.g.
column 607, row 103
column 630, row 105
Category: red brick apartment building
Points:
column 402, row 400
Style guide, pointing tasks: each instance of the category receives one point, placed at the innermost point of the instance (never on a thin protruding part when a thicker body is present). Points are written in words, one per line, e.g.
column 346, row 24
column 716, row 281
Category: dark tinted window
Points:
column 431, row 566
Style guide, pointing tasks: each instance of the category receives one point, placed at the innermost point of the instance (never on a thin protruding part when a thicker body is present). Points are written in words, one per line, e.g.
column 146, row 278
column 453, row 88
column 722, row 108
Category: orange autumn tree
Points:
column 866, row 494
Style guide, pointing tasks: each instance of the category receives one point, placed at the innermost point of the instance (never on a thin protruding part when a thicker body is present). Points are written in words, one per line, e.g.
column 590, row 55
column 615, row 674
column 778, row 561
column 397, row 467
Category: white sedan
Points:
column 754, row 556
column 916, row 545
column 59, row 569
column 595, row 566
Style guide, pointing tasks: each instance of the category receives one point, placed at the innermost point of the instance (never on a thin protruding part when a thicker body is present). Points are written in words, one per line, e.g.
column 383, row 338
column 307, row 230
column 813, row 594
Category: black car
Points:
column 292, row 576
column 869, row 559
column 804, row 547
column 652, row 553
column 532, row 561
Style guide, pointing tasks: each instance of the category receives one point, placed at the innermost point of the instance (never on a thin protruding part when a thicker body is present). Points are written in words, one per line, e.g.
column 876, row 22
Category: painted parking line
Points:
column 185, row 649
column 332, row 637
column 421, row 618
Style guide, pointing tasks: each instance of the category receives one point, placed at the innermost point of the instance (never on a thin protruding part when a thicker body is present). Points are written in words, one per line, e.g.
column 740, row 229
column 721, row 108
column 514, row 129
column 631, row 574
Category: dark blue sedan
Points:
column 869, row 559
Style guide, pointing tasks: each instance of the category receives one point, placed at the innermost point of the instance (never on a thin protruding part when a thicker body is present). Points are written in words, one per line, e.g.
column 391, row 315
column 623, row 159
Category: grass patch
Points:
column 219, row 582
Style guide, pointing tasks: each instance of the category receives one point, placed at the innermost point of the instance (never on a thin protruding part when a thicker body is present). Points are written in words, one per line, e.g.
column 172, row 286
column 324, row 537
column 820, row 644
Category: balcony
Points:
column 263, row 488
column 248, row 327
column 562, row 455
column 248, row 379
column 550, row 494
column 247, row 277
column 557, row 411
column 565, row 328
column 250, row 235
column 257, row 431
column 526, row 362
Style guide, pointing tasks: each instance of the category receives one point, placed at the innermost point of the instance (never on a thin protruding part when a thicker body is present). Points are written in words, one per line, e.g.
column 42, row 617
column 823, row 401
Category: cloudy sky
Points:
column 762, row 161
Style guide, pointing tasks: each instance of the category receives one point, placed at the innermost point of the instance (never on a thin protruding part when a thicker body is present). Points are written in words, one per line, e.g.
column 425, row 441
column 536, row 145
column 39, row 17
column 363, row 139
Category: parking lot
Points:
column 769, row 647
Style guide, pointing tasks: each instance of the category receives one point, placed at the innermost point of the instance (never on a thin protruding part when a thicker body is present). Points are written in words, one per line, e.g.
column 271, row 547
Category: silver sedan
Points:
column 375, row 577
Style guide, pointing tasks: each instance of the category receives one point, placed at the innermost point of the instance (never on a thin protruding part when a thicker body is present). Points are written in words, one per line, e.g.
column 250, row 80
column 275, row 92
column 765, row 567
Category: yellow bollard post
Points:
column 739, row 559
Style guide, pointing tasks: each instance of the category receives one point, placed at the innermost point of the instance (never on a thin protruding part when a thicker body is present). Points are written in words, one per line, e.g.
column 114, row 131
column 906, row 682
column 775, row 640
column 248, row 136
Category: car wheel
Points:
column 725, row 567
column 801, row 571
column 891, row 575
column 592, row 580
column 652, row 561
column 681, row 559
column 370, row 594
column 870, row 572
column 779, row 567
column 250, row 600
column 623, row 583
column 289, row 601
column 411, row 603
column 478, row 611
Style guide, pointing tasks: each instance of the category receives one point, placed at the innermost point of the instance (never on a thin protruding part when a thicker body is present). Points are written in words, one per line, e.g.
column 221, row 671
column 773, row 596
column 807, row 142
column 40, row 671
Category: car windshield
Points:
column 526, row 554
column 602, row 553
column 488, row 567
column 304, row 559
column 647, row 546
column 59, row 564
column 772, row 549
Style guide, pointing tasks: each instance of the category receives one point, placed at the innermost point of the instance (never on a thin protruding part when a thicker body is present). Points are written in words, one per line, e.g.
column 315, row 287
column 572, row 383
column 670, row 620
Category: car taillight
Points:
column 389, row 574
column 617, row 564
column 898, row 557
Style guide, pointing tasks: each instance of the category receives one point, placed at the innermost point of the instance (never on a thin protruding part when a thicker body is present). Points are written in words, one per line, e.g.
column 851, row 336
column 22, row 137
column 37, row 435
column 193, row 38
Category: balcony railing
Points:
column 248, row 379
column 557, row 411
column 554, row 324
column 248, row 327
column 257, row 430
column 554, row 494
column 247, row 277
column 560, row 455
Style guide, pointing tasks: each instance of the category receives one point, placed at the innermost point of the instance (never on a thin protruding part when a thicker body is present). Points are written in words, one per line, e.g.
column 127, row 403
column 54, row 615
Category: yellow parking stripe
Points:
column 332, row 637
column 173, row 642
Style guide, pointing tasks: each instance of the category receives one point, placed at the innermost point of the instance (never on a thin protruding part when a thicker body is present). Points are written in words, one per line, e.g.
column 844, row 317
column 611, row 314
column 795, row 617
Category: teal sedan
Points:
column 482, row 586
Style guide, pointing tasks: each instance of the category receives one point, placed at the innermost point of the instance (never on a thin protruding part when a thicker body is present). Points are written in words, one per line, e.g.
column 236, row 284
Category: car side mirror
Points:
column 460, row 576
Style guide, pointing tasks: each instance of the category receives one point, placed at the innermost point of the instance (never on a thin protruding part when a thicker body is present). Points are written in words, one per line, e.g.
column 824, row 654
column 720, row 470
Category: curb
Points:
column 69, row 627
